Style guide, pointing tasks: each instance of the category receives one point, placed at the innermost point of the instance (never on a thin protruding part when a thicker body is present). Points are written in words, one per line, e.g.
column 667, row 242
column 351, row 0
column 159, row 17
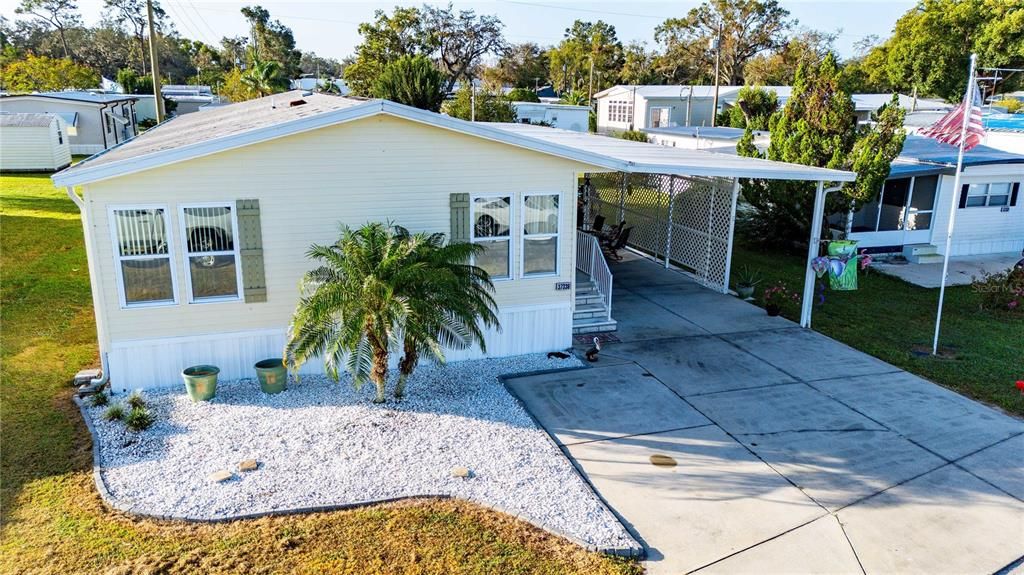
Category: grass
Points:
column 53, row 521
column 886, row 317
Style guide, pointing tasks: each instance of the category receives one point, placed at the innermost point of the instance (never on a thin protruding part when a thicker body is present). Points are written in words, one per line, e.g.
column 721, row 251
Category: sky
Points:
column 329, row 27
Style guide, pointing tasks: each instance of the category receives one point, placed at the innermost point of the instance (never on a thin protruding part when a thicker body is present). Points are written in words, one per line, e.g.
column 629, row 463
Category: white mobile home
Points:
column 33, row 143
column 911, row 212
column 196, row 230
column 99, row 121
column 564, row 116
column 648, row 107
column 721, row 140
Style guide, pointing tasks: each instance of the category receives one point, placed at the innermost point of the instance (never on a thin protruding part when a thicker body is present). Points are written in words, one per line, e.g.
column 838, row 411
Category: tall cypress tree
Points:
column 818, row 127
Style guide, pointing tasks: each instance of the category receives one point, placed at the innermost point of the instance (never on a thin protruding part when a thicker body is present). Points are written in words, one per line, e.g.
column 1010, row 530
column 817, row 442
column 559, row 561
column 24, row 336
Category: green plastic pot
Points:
column 273, row 375
column 201, row 381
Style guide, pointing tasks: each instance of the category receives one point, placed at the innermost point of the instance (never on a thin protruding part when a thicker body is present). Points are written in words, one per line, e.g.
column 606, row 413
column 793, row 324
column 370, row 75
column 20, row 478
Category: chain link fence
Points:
column 684, row 218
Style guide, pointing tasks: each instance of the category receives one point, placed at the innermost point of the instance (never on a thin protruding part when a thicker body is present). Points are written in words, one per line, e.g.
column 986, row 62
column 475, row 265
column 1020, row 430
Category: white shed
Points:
column 33, row 143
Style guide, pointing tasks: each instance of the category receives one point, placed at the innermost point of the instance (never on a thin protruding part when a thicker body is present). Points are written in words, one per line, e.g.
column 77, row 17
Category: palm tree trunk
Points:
column 379, row 373
column 405, row 368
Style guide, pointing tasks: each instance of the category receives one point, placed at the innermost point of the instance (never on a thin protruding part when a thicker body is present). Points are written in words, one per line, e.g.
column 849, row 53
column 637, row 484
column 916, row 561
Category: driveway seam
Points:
column 589, row 441
column 759, row 543
column 850, row 543
column 956, row 463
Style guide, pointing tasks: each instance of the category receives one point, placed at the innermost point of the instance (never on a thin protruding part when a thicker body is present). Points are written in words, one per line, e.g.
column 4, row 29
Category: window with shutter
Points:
column 250, row 238
column 459, row 218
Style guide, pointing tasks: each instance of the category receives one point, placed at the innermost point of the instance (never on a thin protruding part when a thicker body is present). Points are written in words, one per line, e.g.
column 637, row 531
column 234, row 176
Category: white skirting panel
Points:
column 86, row 149
column 981, row 247
column 151, row 363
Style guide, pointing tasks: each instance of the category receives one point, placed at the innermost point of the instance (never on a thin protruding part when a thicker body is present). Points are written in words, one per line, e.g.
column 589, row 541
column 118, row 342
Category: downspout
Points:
column 104, row 377
column 103, row 128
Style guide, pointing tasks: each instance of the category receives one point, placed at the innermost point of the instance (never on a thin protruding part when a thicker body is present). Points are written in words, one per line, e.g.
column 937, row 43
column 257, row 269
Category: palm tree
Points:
column 263, row 77
column 379, row 288
column 575, row 98
column 448, row 308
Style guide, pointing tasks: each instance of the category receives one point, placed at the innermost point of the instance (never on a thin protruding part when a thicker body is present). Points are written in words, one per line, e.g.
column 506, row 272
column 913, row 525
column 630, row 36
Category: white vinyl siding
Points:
column 986, row 230
column 34, row 148
column 212, row 261
column 376, row 169
column 144, row 262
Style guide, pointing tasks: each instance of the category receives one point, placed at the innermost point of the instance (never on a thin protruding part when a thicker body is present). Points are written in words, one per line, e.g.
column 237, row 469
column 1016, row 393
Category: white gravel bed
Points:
column 322, row 443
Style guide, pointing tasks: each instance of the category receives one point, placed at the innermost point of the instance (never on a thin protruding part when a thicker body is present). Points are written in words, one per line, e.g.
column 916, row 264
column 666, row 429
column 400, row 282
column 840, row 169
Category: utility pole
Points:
column 154, row 64
column 718, row 63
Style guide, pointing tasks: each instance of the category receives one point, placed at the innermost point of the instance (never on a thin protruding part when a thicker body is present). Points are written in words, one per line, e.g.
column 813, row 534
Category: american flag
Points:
column 948, row 129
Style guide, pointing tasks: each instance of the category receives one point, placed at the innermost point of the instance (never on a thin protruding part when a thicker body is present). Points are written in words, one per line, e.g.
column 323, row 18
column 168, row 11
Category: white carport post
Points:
column 732, row 234
column 812, row 252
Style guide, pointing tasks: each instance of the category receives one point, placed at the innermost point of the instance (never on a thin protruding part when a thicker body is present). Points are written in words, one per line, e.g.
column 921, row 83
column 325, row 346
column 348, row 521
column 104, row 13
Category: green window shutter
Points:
column 460, row 219
column 254, row 281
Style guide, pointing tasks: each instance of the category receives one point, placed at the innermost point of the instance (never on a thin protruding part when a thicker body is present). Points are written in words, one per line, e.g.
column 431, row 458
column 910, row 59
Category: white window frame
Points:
column 511, row 228
column 557, row 235
column 988, row 195
column 118, row 258
column 237, row 252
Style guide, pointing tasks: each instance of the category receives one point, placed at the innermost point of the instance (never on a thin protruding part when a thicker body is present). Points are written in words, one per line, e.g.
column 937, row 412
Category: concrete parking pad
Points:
column 698, row 365
column 602, row 403
column 780, row 408
column 640, row 319
column 715, row 313
column 718, row 499
column 946, row 521
column 837, row 468
column 808, row 355
column 936, row 418
column 818, row 548
column 1001, row 465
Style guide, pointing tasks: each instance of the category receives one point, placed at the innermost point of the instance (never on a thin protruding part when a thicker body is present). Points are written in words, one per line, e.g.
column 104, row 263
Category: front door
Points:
column 660, row 117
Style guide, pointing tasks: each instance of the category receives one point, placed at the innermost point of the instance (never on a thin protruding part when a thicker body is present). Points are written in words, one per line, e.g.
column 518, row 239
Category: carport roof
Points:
column 229, row 127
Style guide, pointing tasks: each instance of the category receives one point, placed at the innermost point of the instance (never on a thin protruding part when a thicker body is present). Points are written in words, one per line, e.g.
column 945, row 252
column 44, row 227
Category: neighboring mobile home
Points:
column 97, row 121
column 564, row 116
column 33, row 143
column 911, row 212
column 646, row 107
column 197, row 230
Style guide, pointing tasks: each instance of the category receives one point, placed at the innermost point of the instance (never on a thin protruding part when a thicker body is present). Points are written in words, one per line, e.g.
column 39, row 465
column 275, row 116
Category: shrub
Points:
column 413, row 81
column 99, row 399
column 779, row 295
column 1002, row 291
column 634, row 135
column 1012, row 105
column 139, row 419
column 114, row 412
column 522, row 95
column 135, row 400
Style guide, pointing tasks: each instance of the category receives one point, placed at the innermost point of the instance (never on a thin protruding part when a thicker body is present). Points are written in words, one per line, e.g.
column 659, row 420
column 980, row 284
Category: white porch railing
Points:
column 590, row 261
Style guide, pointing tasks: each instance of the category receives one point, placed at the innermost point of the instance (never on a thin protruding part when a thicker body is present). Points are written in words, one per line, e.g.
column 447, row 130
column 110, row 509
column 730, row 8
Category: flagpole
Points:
column 966, row 111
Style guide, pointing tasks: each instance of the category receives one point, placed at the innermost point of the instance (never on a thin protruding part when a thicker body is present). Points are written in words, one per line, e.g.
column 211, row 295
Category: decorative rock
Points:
column 462, row 472
column 220, row 476
column 248, row 465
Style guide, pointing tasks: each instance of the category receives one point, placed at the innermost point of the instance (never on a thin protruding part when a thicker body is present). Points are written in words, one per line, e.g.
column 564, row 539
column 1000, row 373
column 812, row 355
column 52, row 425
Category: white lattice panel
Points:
column 687, row 217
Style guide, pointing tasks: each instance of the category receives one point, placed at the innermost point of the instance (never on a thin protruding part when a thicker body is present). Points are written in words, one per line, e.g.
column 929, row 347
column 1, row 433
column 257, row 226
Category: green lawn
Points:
column 53, row 521
column 887, row 317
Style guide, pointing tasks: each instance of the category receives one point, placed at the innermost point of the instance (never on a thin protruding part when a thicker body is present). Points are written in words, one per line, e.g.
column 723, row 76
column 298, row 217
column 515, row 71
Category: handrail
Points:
column 590, row 261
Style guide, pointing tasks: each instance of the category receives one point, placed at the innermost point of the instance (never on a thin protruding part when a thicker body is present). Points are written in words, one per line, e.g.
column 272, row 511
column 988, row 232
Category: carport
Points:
column 680, row 202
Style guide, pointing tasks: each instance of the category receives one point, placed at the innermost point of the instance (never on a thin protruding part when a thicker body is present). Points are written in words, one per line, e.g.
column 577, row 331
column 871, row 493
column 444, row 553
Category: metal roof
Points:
column 921, row 156
column 83, row 97
column 718, row 132
column 233, row 126
column 25, row 120
column 640, row 157
column 70, row 118
column 729, row 94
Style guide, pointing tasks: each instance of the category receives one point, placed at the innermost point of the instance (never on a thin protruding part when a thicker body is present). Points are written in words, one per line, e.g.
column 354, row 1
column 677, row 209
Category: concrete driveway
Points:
column 779, row 450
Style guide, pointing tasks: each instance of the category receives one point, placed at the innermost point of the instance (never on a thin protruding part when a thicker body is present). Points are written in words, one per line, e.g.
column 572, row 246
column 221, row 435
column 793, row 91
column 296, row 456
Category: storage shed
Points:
column 33, row 143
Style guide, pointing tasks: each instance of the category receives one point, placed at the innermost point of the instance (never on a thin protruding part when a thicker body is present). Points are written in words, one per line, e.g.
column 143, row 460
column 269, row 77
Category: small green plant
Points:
column 747, row 277
column 114, row 412
column 139, row 419
column 135, row 400
column 99, row 399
